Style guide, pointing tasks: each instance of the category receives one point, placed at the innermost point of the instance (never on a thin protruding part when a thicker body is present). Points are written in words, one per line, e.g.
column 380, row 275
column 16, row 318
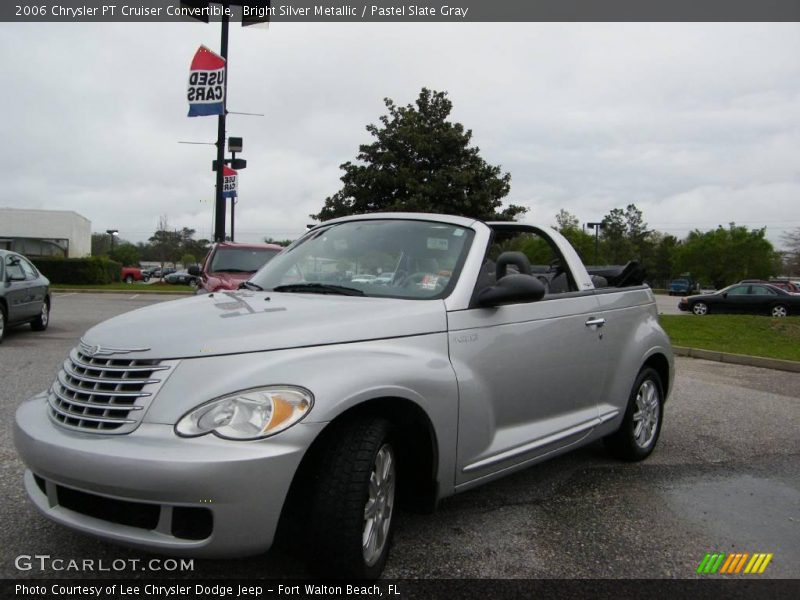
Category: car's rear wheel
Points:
column 41, row 322
column 637, row 436
column 700, row 308
column 3, row 321
column 353, row 500
column 129, row 279
column 779, row 311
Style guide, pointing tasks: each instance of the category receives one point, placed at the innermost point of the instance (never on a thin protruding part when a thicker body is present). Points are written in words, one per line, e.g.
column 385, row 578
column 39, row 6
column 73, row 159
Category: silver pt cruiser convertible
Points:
column 379, row 361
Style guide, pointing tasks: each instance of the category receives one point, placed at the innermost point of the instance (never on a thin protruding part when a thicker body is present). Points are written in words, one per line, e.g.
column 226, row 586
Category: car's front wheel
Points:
column 41, row 322
column 353, row 500
column 779, row 311
column 637, row 436
column 700, row 308
column 129, row 279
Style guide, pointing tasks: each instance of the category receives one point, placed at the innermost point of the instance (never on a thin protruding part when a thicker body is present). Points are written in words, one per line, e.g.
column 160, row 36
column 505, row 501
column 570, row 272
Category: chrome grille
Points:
column 105, row 395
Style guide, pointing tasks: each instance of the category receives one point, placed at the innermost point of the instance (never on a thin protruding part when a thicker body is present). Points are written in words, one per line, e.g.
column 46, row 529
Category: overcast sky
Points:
column 697, row 124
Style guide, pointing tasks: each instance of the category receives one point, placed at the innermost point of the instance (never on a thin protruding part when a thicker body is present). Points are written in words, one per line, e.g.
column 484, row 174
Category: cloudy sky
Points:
column 697, row 124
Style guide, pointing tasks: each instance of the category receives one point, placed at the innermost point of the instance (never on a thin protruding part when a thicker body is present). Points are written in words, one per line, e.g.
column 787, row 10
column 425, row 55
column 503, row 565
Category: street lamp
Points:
column 113, row 233
column 597, row 227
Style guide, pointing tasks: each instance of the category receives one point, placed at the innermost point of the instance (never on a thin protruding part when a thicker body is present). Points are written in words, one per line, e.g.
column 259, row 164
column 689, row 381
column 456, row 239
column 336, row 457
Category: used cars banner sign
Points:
column 206, row 93
column 230, row 178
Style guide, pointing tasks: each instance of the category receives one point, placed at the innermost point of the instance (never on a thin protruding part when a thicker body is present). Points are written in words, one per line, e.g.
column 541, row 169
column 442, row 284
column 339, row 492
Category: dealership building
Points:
column 45, row 232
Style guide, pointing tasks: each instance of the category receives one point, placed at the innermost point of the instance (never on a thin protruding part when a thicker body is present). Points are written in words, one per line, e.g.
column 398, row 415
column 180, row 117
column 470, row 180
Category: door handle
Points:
column 599, row 321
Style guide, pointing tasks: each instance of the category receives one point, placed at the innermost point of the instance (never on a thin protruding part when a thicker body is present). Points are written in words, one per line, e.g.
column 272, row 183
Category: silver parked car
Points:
column 314, row 405
column 24, row 294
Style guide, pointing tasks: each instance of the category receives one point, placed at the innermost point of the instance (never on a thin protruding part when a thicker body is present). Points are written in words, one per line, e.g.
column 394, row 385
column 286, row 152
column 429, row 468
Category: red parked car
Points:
column 228, row 264
column 131, row 274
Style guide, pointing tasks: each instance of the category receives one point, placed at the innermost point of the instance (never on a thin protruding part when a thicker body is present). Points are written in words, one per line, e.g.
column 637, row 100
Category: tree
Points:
column 662, row 266
column 101, row 244
column 421, row 162
column 625, row 236
column 126, row 254
column 617, row 247
column 166, row 243
column 569, row 226
column 791, row 262
column 723, row 256
column 188, row 259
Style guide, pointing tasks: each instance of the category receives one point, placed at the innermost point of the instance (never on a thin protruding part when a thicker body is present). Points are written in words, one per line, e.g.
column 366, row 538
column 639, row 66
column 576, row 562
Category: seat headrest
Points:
column 518, row 259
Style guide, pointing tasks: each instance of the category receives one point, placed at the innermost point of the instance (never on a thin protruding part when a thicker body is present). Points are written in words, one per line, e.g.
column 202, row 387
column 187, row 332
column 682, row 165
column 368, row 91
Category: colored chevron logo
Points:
column 734, row 564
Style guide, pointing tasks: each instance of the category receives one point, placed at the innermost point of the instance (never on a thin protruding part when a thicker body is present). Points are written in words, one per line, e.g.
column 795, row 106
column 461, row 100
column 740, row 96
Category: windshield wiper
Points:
column 249, row 285
column 318, row 288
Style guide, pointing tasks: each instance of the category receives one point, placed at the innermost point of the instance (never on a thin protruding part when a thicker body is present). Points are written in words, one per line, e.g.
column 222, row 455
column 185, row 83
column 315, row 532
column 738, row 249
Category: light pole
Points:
column 113, row 233
column 259, row 11
column 597, row 227
column 234, row 146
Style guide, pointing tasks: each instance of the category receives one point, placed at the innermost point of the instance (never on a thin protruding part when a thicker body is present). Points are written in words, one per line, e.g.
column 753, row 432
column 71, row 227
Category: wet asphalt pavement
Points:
column 725, row 477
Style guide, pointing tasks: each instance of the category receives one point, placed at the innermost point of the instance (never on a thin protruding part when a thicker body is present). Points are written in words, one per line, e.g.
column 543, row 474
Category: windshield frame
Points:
column 454, row 279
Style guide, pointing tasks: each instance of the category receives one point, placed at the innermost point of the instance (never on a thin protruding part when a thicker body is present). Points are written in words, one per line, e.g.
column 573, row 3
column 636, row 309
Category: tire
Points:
column 129, row 279
column 3, row 321
column 779, row 310
column 355, row 476
column 638, row 435
column 700, row 308
column 41, row 322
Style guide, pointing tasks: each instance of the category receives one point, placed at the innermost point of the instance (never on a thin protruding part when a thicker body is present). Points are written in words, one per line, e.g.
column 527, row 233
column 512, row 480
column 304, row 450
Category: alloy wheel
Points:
column 700, row 309
column 379, row 507
column 779, row 311
column 648, row 412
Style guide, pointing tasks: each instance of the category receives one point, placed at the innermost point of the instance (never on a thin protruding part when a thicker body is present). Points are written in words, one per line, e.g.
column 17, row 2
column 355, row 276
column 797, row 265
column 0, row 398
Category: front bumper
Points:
column 168, row 481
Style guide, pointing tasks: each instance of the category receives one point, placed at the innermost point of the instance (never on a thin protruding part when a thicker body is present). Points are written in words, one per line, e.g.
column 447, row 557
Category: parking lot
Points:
column 725, row 477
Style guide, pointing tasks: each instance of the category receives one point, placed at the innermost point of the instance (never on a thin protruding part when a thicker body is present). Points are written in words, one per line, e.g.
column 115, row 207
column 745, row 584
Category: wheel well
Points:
column 417, row 457
column 660, row 363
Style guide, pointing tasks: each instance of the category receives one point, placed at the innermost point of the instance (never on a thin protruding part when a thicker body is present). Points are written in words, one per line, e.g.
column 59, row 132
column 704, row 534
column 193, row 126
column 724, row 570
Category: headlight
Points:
column 249, row 414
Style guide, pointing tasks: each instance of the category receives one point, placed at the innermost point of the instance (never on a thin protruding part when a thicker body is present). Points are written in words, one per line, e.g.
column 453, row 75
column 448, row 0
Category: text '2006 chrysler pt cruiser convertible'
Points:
column 379, row 361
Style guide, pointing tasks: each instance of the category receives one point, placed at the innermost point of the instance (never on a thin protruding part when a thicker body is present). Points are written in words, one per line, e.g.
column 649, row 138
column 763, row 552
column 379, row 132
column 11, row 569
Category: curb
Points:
column 739, row 359
column 123, row 292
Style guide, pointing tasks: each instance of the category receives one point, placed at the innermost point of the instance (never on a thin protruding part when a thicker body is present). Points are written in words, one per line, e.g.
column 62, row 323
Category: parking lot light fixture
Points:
column 113, row 233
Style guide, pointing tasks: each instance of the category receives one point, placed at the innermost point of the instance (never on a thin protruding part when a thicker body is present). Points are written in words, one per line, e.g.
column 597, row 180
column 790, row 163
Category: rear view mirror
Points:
column 512, row 289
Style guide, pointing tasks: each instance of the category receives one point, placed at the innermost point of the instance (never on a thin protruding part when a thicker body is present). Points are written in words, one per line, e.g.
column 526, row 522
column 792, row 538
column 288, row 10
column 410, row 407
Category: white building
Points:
column 45, row 232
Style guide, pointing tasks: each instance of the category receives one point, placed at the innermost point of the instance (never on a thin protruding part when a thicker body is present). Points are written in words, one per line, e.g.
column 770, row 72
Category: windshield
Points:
column 392, row 258
column 240, row 260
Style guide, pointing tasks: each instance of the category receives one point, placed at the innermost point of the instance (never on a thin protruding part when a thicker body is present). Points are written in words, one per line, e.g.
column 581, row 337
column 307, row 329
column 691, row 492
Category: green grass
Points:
column 738, row 334
column 133, row 288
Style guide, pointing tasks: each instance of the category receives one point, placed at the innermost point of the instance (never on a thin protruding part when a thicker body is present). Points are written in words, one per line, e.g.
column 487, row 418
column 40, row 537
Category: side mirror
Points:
column 512, row 289
column 194, row 270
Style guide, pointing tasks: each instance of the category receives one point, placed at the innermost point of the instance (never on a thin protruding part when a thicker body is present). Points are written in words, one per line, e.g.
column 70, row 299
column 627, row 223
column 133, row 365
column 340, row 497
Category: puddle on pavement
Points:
column 751, row 514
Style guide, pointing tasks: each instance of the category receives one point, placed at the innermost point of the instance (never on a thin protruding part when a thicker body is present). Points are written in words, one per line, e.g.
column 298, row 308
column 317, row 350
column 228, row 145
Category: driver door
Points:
column 530, row 375
column 16, row 290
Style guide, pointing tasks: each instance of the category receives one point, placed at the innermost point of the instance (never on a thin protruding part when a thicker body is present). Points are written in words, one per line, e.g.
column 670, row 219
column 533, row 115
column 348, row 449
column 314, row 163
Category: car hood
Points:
column 245, row 321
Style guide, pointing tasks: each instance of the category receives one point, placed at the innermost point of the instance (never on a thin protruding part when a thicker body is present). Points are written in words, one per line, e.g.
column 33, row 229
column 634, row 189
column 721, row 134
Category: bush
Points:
column 81, row 271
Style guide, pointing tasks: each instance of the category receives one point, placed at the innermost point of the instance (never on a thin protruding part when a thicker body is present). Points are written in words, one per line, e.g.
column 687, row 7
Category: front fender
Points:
column 340, row 376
